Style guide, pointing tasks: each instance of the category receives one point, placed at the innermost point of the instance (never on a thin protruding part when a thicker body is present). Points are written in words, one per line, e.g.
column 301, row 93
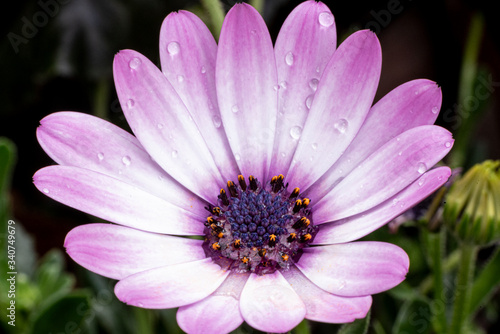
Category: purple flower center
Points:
column 258, row 228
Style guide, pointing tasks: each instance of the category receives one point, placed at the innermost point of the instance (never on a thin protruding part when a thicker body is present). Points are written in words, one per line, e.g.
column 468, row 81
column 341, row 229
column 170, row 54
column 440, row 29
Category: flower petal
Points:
column 304, row 46
column 218, row 313
column 246, row 79
column 409, row 105
column 81, row 140
column 115, row 201
column 187, row 52
column 269, row 304
column 171, row 286
column 345, row 94
column 323, row 306
column 355, row 269
column 386, row 172
column 355, row 227
column 161, row 122
column 117, row 252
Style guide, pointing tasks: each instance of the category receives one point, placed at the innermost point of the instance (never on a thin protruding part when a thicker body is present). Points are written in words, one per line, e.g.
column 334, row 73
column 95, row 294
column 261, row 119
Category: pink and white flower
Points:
column 261, row 117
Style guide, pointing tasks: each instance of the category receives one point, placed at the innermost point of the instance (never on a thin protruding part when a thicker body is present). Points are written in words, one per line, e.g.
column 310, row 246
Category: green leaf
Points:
column 51, row 278
column 63, row 315
column 485, row 284
column 359, row 326
column 414, row 317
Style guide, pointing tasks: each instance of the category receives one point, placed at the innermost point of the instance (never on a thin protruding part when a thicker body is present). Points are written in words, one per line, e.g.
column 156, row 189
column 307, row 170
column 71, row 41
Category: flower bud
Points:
column 472, row 207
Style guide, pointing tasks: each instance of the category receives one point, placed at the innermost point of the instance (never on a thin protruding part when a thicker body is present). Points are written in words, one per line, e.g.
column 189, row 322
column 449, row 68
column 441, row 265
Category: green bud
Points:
column 472, row 207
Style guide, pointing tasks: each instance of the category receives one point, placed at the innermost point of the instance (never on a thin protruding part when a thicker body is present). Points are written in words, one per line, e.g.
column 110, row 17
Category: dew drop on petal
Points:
column 160, row 126
column 314, row 84
column 180, row 78
column 45, row 190
column 309, row 100
column 283, row 84
column 140, row 304
column 175, row 154
column 289, row 58
column 295, row 132
column 126, row 160
column 134, row 63
column 276, row 87
column 314, row 146
column 173, row 48
column 235, row 109
column 325, row 19
column 447, row 144
column 435, row 110
column 422, row 168
column 203, row 70
column 100, row 156
column 217, row 121
column 130, row 103
column 341, row 125
column 341, row 285
column 237, row 157
column 283, row 154
column 420, row 182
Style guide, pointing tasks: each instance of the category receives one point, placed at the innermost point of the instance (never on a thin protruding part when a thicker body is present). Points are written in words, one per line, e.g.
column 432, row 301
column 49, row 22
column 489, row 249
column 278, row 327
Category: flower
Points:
column 220, row 133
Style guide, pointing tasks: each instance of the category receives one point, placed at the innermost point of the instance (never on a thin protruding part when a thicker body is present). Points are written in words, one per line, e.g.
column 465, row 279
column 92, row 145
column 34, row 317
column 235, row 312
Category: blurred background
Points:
column 56, row 55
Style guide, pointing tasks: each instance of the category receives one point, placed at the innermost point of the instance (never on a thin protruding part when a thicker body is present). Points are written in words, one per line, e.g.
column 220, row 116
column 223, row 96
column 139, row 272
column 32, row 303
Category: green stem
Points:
column 436, row 251
column 463, row 288
column 216, row 14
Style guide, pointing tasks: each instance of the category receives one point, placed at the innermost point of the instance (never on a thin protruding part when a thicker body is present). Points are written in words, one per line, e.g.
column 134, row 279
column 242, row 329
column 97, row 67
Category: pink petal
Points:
column 81, row 140
column 304, row 46
column 117, row 252
column 410, row 105
column 114, row 200
column 218, row 313
column 171, row 286
column 323, row 306
column 355, row 269
column 386, row 172
column 269, row 304
column 187, row 52
column 355, row 227
column 345, row 94
column 246, row 80
column 161, row 122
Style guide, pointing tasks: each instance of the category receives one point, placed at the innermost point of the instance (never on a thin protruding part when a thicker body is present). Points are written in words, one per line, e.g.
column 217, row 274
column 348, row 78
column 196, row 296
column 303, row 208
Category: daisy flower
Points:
column 276, row 156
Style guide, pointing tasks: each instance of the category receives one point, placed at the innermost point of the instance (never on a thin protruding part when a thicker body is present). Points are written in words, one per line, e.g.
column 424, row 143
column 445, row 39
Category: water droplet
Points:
column 447, row 144
column 283, row 154
column 175, row 154
column 341, row 285
column 309, row 101
column 295, row 132
column 276, row 87
column 126, row 160
column 314, row 84
column 283, row 84
column 160, row 126
column 253, row 32
column 314, row 146
column 435, row 110
column 420, row 182
column 400, row 153
column 317, row 69
column 130, row 103
column 217, row 121
column 235, row 109
column 341, row 125
column 416, row 92
column 422, row 168
column 180, row 78
column 173, row 48
column 203, row 70
column 395, row 201
column 325, row 19
column 140, row 304
column 134, row 63
column 237, row 157
column 100, row 156
column 289, row 58
column 45, row 190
